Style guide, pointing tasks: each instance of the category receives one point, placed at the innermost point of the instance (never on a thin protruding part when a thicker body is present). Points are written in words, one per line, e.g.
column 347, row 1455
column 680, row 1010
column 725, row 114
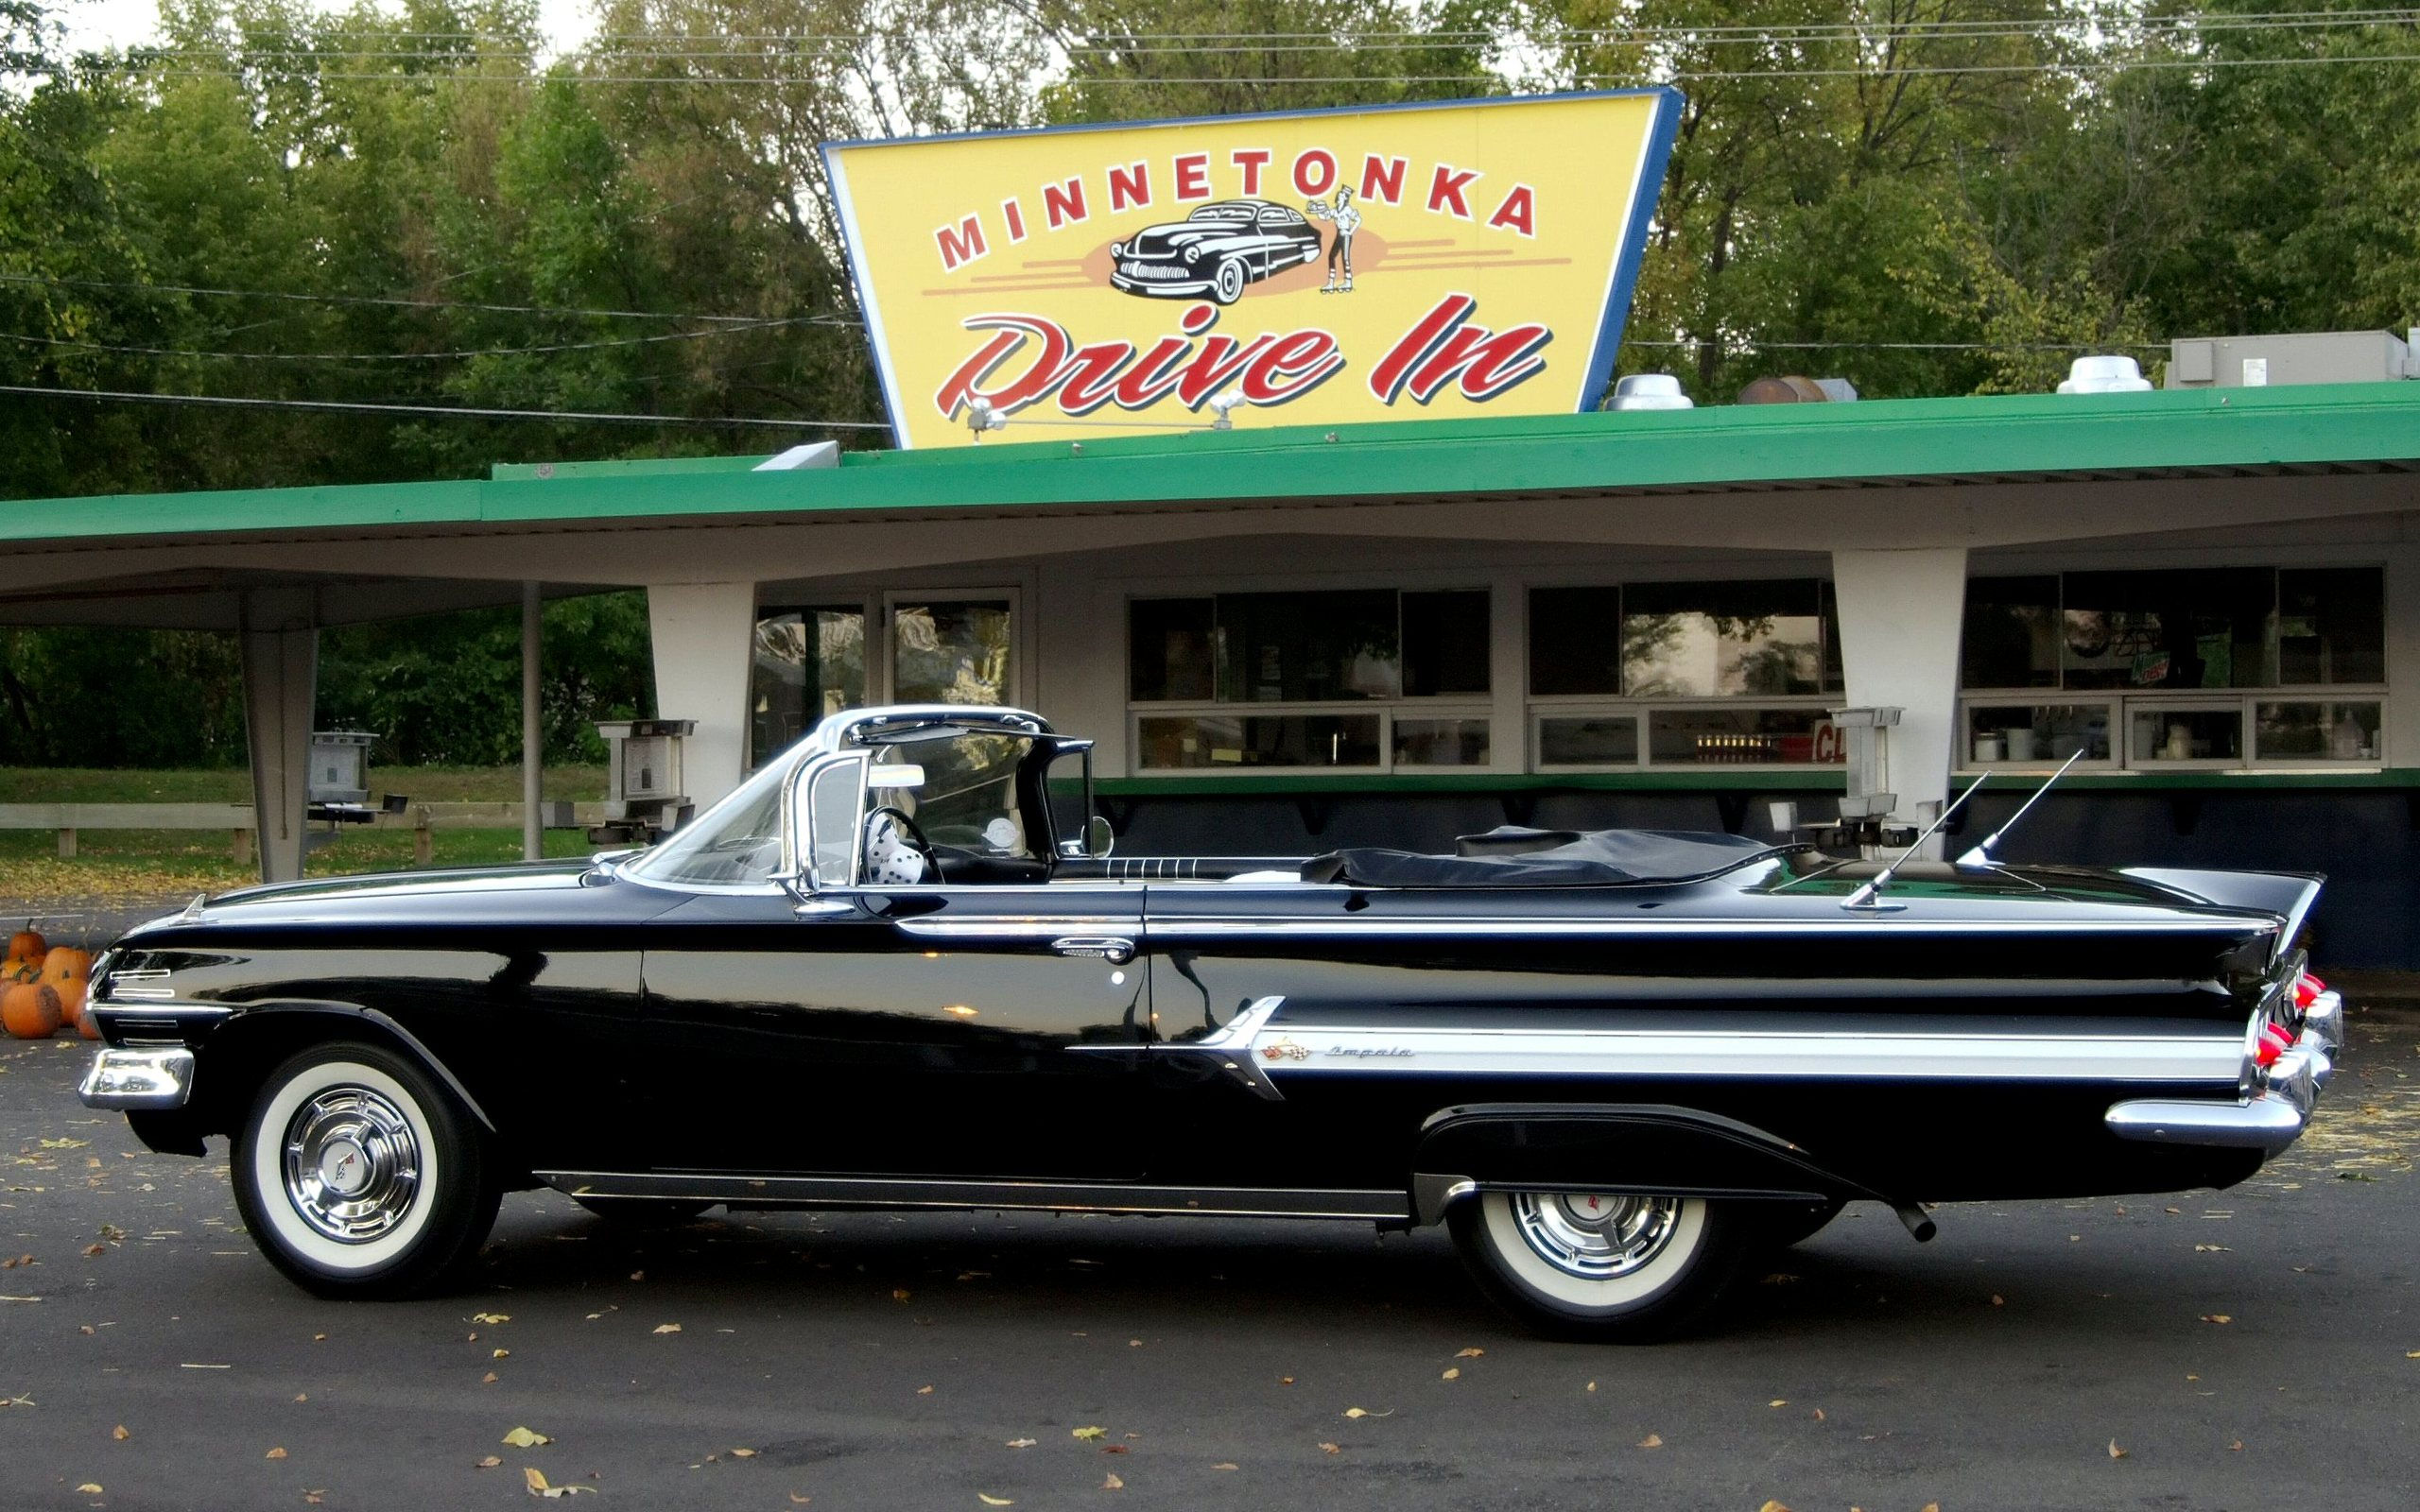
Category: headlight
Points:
column 1117, row 248
column 1193, row 254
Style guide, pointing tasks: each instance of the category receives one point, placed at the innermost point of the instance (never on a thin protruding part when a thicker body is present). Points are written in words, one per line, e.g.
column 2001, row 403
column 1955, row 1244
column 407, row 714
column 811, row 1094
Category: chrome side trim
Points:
column 2258, row 1123
column 1008, row 928
column 1230, row 1045
column 901, row 1191
column 1851, row 1054
column 1462, row 925
column 111, row 1012
column 129, row 1081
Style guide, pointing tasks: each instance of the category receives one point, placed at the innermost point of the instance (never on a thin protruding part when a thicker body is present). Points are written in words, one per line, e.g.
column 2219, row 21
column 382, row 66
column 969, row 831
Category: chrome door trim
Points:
column 1230, row 1046
column 1186, row 927
column 1062, row 1197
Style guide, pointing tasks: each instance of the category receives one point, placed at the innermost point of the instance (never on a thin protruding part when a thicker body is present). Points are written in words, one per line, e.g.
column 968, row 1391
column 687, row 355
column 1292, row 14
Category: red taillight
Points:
column 2274, row 1042
column 2307, row 990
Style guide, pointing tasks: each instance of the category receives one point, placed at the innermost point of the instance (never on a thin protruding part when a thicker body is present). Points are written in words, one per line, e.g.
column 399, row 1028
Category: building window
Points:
column 953, row 650
column 1686, row 673
column 808, row 663
column 2156, row 646
column 1359, row 679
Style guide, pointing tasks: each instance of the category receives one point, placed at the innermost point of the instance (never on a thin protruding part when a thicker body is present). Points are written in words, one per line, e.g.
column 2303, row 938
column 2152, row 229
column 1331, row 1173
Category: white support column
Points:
column 706, row 640
column 281, row 656
column 1901, row 613
column 533, row 735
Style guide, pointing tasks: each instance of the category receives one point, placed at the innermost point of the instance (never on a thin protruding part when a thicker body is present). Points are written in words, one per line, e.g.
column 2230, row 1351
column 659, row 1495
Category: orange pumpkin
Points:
column 20, row 968
column 26, row 944
column 86, row 1026
column 69, row 974
column 31, row 1011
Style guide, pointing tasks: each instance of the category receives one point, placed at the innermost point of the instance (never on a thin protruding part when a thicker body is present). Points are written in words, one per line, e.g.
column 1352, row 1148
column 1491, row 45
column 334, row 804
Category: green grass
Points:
column 430, row 784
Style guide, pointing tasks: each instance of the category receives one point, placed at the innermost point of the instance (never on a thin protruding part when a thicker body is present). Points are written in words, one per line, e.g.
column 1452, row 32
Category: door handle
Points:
column 1110, row 948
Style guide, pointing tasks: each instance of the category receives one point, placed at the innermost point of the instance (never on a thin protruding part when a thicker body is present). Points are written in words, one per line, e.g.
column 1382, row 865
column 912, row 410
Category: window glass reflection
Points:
column 951, row 651
column 807, row 664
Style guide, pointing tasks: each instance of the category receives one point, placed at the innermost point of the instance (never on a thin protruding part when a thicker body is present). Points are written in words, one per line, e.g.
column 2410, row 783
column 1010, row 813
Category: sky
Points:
column 97, row 24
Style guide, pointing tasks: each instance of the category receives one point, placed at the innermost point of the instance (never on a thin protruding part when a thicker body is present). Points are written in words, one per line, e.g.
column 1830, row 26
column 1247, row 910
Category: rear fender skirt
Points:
column 1646, row 1148
column 283, row 1011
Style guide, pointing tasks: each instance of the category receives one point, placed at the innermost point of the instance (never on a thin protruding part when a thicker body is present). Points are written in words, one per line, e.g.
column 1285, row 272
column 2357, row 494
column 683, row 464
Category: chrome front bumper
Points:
column 130, row 1081
column 2267, row 1119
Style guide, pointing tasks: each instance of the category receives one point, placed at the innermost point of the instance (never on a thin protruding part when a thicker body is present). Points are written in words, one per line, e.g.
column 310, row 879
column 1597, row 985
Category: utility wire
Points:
column 1683, row 76
column 399, row 303
column 460, row 412
column 374, row 356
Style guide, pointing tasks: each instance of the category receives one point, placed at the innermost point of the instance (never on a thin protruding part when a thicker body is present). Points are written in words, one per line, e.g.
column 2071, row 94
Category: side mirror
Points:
column 1099, row 839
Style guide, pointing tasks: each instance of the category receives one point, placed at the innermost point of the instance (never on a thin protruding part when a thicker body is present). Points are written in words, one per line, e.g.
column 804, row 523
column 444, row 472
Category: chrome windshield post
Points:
column 823, row 809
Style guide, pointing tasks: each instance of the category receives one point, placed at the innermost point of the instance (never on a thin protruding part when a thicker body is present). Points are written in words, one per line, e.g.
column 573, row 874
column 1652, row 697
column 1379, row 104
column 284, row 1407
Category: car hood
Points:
column 469, row 896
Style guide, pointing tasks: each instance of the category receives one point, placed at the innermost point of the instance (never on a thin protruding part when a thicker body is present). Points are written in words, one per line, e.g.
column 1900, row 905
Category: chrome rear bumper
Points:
column 2267, row 1119
column 130, row 1081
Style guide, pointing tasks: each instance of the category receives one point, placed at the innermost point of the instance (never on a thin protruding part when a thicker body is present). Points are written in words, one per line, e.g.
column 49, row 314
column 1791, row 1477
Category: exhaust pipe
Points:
column 1918, row 1224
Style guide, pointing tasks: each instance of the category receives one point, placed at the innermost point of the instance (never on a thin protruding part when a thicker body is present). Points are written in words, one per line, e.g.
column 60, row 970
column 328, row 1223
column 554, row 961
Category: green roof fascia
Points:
column 2014, row 435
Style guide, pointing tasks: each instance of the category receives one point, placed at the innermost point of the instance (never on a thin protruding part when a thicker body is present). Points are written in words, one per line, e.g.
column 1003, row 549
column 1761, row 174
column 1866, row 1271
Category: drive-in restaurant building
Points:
column 1268, row 450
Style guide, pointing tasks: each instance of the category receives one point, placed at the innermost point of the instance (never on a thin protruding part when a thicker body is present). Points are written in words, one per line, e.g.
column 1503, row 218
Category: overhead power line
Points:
column 452, row 411
column 460, row 354
column 396, row 301
column 2099, row 66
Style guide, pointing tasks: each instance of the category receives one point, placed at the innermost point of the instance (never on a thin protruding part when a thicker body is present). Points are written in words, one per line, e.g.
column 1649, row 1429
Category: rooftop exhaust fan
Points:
column 2104, row 376
column 1649, row 390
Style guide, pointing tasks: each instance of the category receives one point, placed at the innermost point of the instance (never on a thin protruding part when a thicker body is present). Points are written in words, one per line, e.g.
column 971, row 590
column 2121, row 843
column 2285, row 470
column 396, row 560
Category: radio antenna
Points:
column 1981, row 855
column 1869, row 897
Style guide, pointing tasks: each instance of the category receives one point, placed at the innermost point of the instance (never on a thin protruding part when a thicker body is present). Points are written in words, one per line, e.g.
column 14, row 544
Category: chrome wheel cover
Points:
column 1595, row 1236
column 352, row 1164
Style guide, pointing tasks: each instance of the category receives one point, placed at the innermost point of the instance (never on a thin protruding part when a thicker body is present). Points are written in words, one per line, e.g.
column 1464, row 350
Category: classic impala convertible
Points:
column 899, row 968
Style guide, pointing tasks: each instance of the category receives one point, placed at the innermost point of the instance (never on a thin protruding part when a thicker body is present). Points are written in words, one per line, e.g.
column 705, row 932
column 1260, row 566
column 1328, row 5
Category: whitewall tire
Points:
column 359, row 1175
column 1604, row 1266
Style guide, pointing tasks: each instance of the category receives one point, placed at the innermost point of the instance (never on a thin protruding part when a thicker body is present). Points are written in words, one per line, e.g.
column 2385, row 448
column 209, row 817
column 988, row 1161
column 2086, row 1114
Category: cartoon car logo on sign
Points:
column 1218, row 250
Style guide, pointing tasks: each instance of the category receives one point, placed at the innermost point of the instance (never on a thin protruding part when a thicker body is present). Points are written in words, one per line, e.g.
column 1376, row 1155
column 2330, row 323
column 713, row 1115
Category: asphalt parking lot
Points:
column 2255, row 1348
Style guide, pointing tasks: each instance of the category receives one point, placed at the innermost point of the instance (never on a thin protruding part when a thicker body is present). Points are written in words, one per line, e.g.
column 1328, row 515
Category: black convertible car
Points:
column 1217, row 251
column 898, row 967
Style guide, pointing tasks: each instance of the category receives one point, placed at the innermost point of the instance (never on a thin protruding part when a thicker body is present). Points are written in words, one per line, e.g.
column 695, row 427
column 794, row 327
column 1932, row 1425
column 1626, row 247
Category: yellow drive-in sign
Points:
column 1467, row 258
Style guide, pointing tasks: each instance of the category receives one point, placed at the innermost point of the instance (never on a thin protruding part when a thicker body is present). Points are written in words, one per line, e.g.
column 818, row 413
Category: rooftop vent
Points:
column 1649, row 390
column 2104, row 376
column 1794, row 389
column 2304, row 357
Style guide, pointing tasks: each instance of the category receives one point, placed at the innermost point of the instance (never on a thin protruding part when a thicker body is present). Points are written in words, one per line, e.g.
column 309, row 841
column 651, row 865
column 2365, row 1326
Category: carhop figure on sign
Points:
column 1339, row 246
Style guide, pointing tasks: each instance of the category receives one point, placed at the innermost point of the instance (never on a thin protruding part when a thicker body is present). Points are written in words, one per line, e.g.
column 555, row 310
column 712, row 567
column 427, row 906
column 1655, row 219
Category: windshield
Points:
column 736, row 843
column 1222, row 213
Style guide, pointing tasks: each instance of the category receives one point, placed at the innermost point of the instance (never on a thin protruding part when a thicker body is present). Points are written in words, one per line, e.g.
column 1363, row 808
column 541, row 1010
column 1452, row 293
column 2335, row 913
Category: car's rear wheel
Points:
column 1227, row 284
column 360, row 1177
column 1608, row 1268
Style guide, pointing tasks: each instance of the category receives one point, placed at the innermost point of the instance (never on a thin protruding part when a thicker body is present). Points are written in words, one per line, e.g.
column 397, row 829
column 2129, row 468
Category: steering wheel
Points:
column 886, row 827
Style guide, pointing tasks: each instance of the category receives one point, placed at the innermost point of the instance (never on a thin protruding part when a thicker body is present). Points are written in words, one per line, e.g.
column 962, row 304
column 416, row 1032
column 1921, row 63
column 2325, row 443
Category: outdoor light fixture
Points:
column 983, row 415
column 1225, row 406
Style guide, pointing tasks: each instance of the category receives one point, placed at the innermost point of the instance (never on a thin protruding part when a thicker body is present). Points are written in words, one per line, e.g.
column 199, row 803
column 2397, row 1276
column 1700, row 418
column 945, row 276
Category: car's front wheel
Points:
column 1227, row 284
column 1608, row 1268
column 360, row 1176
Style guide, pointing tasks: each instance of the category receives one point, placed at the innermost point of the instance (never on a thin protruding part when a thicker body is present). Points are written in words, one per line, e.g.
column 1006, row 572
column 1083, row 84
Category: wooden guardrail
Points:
column 241, row 824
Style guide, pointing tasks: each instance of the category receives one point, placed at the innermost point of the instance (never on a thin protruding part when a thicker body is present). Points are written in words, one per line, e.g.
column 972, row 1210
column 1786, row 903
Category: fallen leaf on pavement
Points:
column 500, row 1354
column 1453, row 1372
column 89, row 1489
column 2236, row 1444
column 1652, row 1441
column 1591, row 1386
column 993, row 1500
column 2114, row 1452
column 489, row 1379
column 1090, row 1434
column 1819, row 1414
column 1023, row 1443
column 1356, row 1412
column 1778, row 1401
column 743, row 1453
column 1332, row 1448
column 797, row 1500
column 1112, row 1482
column 120, row 1434
column 1468, row 1354
column 667, row 1328
column 924, row 1391
column 488, row 1464
column 2218, row 1318
column 538, row 1485
column 274, row 1453
column 490, row 1318
column 899, row 1293
column 1226, row 1465
column 524, row 1438
column 1772, row 1506
column 1114, row 1449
